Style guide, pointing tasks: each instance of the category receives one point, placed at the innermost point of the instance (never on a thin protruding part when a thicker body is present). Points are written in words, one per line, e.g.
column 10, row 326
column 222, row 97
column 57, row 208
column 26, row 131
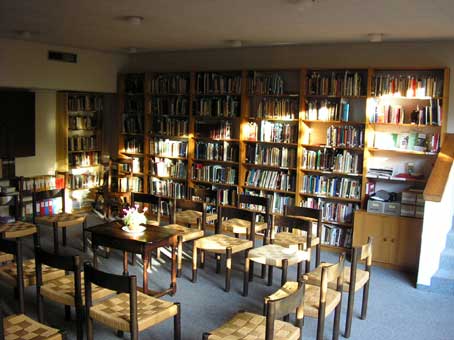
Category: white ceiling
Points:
column 201, row 24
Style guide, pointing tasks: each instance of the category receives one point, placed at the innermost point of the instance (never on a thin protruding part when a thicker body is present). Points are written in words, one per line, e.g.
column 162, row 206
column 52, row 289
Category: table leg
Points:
column 180, row 255
column 146, row 261
column 55, row 227
column 95, row 257
column 125, row 263
column 173, row 281
column 63, row 235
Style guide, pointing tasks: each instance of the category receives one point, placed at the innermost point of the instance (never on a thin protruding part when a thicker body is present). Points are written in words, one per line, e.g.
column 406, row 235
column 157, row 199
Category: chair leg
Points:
column 79, row 324
column 84, row 236
column 349, row 317
column 251, row 271
column 284, row 272
column 270, row 275
column 55, row 228
column 299, row 271
column 120, row 334
column 246, row 275
column 180, row 256
column 365, row 300
column 194, row 263
column 228, row 268
column 177, row 323
column 263, row 273
column 67, row 313
column 218, row 263
column 89, row 323
column 320, row 326
column 202, row 259
column 63, row 237
column 336, row 322
column 39, row 300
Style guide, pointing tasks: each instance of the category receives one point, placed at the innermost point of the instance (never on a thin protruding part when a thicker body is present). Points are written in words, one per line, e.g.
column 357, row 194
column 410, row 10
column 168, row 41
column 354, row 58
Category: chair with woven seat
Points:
column 320, row 300
column 280, row 304
column 22, row 273
column 61, row 220
column 311, row 216
column 5, row 257
column 67, row 290
column 129, row 310
column 191, row 213
column 221, row 244
column 275, row 255
column 360, row 277
column 22, row 327
column 153, row 205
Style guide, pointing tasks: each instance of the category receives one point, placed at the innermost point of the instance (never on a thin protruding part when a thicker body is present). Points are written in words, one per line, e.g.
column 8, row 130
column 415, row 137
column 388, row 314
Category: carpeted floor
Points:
column 396, row 309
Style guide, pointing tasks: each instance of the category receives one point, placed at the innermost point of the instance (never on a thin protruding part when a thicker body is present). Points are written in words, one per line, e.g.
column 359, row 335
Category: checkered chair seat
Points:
column 21, row 327
column 5, row 257
column 362, row 276
column 17, row 229
column 188, row 234
column 63, row 219
column 191, row 217
column 272, row 255
column 288, row 240
column 61, row 290
column 239, row 226
column 312, row 299
column 252, row 327
column 114, row 312
column 219, row 243
column 8, row 273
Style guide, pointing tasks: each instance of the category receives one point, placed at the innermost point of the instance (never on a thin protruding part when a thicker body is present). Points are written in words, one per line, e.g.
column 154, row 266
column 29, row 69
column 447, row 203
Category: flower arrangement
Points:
column 134, row 218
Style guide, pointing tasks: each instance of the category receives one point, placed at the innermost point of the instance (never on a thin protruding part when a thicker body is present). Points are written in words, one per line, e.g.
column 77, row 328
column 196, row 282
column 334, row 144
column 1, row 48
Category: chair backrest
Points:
column 290, row 223
column 118, row 283
column 311, row 214
column 332, row 273
column 231, row 212
column 180, row 204
column 277, row 308
column 151, row 201
column 361, row 253
column 208, row 195
column 251, row 202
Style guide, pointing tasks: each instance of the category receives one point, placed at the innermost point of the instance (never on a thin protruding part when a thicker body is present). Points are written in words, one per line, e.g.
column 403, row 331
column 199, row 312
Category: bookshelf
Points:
column 332, row 149
column 79, row 146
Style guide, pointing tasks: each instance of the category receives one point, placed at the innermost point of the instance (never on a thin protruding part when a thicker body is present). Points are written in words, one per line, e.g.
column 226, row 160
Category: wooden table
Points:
column 111, row 235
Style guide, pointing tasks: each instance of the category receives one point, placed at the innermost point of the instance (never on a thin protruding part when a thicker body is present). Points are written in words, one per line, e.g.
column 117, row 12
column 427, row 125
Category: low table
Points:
column 111, row 235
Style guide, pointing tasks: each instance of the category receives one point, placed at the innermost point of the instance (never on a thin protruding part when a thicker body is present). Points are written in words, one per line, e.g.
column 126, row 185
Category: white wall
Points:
column 437, row 223
column 427, row 54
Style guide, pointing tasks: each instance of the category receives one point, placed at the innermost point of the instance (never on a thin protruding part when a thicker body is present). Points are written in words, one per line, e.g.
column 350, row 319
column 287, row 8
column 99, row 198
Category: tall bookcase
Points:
column 301, row 136
column 79, row 144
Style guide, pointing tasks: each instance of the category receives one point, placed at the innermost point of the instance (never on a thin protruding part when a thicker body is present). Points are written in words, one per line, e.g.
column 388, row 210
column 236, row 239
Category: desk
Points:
column 111, row 235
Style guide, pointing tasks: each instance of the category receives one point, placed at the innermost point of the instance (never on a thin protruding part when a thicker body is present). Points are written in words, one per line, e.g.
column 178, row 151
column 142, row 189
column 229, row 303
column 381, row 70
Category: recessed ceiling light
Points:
column 375, row 37
column 134, row 19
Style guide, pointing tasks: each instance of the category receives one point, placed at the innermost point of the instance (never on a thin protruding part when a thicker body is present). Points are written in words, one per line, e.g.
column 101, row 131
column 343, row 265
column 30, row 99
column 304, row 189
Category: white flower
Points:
column 134, row 216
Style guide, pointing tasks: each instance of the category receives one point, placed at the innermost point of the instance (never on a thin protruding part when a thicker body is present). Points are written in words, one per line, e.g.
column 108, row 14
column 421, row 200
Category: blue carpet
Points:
column 396, row 309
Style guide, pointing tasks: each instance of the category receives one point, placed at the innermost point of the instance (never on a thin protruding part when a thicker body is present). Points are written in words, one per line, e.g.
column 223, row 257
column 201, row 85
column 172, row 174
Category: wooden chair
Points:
column 129, row 310
column 320, row 300
column 312, row 216
column 223, row 244
column 246, row 325
column 274, row 255
column 22, row 274
column 60, row 220
column 153, row 204
column 360, row 277
column 20, row 326
column 66, row 290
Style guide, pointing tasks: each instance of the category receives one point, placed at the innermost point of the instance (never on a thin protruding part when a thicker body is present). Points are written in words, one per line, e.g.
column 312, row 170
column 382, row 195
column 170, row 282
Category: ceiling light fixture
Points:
column 375, row 37
column 134, row 19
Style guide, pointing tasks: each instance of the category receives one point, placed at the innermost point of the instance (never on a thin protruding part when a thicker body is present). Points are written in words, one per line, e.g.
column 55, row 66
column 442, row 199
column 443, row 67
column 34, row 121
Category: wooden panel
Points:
column 409, row 243
column 62, row 132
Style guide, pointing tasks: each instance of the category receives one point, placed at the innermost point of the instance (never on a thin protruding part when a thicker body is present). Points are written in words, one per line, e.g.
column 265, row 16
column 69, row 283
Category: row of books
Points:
column 85, row 103
column 134, row 104
column 276, row 180
column 332, row 186
column 164, row 167
column 84, row 181
column 265, row 83
column 227, row 106
column 335, row 84
column 171, row 127
column 271, row 155
column 81, row 122
column 336, row 237
column 43, row 183
column 341, row 161
column 137, row 165
column 273, row 132
column 223, row 130
column 133, row 145
column 82, row 143
column 327, row 109
column 134, row 83
column 167, row 188
column 279, row 200
column 425, row 115
column 170, row 106
column 216, row 83
column 332, row 211
column 214, row 173
column 407, row 85
column 277, row 108
column 220, row 151
column 134, row 184
column 90, row 158
column 170, row 83
column 412, row 141
column 48, row 207
column 345, row 136
column 168, row 148
column 132, row 123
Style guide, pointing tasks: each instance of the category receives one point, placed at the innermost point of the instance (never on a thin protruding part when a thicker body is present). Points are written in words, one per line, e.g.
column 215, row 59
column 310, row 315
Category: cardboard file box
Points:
column 376, row 207
column 391, row 208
